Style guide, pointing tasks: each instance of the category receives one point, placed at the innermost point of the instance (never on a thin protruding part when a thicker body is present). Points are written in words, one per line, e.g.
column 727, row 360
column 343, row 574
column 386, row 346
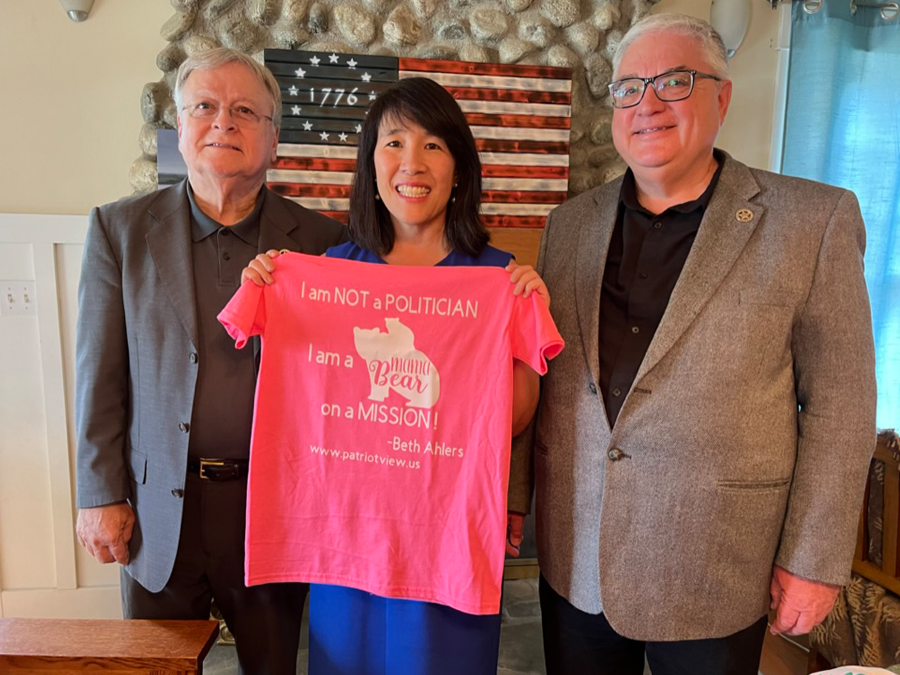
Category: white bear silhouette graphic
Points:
column 395, row 363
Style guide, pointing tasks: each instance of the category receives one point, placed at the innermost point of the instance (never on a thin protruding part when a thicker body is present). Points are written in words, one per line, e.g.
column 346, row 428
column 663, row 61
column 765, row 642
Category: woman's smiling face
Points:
column 415, row 173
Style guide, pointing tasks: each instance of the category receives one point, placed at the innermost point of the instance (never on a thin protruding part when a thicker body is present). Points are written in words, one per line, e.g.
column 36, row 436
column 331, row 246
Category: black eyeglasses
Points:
column 241, row 114
column 674, row 85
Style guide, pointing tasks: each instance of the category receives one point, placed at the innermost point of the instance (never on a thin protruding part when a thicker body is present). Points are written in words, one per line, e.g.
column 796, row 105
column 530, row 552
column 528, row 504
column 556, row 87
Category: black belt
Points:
column 218, row 469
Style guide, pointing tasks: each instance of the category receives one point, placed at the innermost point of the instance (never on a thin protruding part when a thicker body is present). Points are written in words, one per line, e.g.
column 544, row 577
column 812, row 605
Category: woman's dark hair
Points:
column 428, row 104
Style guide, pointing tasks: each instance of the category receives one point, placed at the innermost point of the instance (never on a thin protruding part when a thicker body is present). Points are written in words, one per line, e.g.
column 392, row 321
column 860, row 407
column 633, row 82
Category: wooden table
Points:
column 69, row 646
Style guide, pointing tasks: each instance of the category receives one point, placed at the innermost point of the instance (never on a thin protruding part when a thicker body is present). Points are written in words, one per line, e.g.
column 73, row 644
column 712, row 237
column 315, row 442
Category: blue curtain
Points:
column 842, row 127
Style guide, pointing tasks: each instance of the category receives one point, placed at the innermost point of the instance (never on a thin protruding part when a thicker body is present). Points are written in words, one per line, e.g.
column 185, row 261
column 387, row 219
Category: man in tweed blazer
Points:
column 701, row 445
column 164, row 401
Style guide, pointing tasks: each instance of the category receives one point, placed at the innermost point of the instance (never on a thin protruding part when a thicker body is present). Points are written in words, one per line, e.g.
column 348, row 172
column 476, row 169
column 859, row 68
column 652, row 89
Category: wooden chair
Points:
column 885, row 573
column 70, row 646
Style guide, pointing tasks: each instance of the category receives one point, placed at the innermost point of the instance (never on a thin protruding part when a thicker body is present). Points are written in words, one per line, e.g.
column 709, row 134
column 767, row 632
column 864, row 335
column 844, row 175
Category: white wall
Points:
column 70, row 121
column 42, row 570
column 71, row 101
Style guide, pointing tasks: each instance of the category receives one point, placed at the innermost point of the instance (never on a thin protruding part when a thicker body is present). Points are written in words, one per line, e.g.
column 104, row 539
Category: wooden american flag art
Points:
column 520, row 117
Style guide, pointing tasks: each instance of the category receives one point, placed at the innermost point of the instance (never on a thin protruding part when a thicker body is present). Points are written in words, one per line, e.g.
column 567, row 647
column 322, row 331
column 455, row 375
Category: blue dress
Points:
column 352, row 632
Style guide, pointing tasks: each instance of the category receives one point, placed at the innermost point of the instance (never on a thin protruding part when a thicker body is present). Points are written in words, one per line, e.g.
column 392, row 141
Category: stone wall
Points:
column 577, row 34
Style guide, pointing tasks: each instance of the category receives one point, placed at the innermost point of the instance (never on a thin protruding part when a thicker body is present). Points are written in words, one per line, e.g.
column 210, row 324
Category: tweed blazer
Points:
column 137, row 353
column 745, row 438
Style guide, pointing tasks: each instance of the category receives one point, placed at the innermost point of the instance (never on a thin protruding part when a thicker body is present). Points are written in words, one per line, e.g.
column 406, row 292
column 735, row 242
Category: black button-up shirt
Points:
column 646, row 255
column 223, row 402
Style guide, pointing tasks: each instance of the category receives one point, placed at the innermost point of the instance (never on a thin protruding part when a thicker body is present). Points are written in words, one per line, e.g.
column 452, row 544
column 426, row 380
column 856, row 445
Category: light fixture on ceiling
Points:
column 732, row 19
column 77, row 10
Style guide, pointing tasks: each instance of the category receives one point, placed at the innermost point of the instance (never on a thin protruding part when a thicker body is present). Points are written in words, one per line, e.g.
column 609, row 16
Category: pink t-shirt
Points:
column 381, row 437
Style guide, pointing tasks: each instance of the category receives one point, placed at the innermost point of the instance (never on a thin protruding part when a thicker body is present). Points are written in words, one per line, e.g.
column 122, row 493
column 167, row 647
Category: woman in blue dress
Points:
column 415, row 201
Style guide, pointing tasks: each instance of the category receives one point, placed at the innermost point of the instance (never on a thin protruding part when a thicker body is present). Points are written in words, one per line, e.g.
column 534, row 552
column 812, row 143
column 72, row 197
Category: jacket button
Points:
column 184, row 427
column 592, row 388
column 178, row 492
column 615, row 454
column 192, row 358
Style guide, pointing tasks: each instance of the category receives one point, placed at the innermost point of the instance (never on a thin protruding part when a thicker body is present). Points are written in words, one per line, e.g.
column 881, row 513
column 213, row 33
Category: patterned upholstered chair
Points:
column 864, row 626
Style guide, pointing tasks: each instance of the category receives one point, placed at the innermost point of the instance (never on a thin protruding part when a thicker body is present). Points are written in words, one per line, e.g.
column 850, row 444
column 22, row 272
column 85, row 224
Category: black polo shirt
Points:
column 223, row 402
column 646, row 255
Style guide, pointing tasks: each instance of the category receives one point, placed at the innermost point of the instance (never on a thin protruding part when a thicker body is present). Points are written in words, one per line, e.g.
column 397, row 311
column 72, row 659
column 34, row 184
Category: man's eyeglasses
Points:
column 241, row 114
column 674, row 85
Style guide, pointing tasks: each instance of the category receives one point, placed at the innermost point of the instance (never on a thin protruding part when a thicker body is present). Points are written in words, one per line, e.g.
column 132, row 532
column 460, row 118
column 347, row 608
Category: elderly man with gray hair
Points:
column 164, row 402
column 701, row 445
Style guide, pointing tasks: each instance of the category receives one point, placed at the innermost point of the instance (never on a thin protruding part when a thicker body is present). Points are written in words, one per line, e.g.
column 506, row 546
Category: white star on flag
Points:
column 343, row 137
column 366, row 77
column 314, row 60
column 307, row 126
column 358, row 128
column 295, row 110
column 323, row 136
column 351, row 64
column 300, row 72
column 372, row 95
column 293, row 91
column 333, row 58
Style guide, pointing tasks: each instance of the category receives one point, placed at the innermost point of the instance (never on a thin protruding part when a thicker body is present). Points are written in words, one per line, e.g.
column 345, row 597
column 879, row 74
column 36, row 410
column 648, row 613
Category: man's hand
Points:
column 514, row 523
column 800, row 604
column 105, row 531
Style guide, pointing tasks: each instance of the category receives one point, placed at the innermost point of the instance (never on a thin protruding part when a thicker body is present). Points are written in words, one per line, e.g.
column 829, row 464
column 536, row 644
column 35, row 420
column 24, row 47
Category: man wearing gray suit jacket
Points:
column 701, row 446
column 164, row 402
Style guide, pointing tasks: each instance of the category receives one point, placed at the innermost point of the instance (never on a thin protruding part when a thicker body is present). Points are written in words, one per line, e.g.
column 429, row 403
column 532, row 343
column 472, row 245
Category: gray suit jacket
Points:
column 746, row 435
column 136, row 358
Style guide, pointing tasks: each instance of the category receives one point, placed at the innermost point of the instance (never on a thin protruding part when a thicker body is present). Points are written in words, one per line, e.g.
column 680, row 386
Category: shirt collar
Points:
column 247, row 230
column 628, row 193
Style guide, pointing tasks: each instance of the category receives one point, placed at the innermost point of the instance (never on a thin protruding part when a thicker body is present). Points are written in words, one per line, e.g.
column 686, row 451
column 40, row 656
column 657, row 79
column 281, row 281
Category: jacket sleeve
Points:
column 521, row 461
column 101, row 373
column 834, row 372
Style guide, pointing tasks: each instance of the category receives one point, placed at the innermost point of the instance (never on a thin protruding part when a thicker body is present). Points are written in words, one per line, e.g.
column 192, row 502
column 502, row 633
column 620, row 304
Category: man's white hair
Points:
column 708, row 38
column 222, row 56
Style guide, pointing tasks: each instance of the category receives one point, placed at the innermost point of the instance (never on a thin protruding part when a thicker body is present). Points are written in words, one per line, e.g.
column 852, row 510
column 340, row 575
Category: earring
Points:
column 377, row 197
column 453, row 198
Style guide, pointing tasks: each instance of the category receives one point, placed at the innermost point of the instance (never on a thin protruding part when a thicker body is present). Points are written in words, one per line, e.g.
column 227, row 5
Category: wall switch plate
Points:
column 17, row 298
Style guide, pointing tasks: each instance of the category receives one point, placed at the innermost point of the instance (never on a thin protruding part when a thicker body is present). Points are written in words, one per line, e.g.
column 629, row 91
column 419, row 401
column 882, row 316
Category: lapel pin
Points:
column 744, row 215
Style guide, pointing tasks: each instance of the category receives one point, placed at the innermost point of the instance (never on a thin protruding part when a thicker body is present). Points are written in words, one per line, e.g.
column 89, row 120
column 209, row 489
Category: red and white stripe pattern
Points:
column 519, row 115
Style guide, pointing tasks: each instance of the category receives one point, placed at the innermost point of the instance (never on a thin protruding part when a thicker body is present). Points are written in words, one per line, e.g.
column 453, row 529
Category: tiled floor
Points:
column 521, row 646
